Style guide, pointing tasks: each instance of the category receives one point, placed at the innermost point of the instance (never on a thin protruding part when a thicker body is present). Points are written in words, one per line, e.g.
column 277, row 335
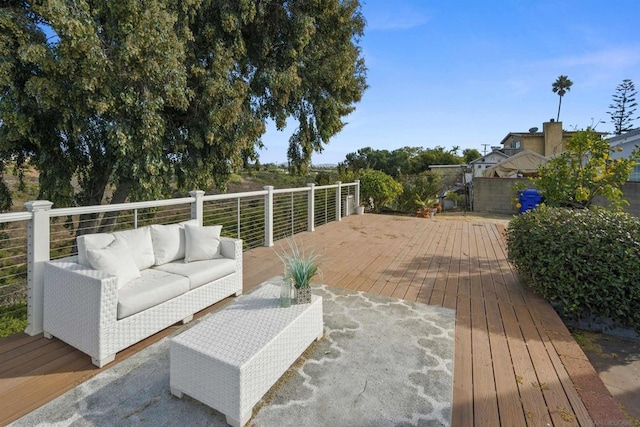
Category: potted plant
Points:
column 299, row 269
column 426, row 207
column 360, row 209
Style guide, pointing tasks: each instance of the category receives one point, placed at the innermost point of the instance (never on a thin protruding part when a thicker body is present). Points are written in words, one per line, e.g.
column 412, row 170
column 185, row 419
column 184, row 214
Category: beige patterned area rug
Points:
column 381, row 362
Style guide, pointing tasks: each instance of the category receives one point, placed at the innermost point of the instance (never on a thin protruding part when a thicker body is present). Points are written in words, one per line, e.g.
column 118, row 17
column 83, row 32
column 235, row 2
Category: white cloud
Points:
column 387, row 23
column 616, row 58
column 386, row 16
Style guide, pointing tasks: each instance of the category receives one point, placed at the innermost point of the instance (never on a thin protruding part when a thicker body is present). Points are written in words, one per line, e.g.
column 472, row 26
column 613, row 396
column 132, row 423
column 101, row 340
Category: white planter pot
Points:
column 360, row 210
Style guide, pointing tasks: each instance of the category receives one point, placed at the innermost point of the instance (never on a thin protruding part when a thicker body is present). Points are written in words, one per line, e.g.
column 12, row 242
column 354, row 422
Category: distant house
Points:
column 624, row 145
column 480, row 165
column 551, row 141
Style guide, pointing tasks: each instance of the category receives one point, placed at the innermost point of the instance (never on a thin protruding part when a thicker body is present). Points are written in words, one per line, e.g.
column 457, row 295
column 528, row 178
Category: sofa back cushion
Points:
column 168, row 242
column 140, row 244
column 91, row 241
column 115, row 259
column 201, row 243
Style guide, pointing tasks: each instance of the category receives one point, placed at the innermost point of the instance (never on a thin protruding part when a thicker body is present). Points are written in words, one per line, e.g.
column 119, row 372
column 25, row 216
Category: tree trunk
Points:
column 119, row 196
column 93, row 194
column 559, row 104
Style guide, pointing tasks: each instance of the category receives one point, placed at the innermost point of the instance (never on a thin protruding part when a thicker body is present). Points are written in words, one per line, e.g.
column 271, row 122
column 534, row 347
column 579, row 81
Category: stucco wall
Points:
column 533, row 143
column 493, row 195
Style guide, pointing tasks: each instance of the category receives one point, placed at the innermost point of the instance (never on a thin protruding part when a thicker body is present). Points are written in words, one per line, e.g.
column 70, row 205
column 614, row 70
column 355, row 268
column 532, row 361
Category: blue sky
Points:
column 466, row 73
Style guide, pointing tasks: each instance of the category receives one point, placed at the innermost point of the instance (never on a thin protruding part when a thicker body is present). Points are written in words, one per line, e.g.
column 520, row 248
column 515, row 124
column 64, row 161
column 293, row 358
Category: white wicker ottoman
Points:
column 230, row 360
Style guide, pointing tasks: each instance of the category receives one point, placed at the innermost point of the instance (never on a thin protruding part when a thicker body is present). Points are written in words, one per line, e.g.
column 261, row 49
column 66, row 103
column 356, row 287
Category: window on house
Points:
column 635, row 174
column 516, row 144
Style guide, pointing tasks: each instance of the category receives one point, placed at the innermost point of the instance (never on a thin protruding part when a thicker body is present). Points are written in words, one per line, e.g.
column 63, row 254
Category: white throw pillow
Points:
column 168, row 242
column 140, row 244
column 91, row 241
column 202, row 243
column 189, row 222
column 117, row 260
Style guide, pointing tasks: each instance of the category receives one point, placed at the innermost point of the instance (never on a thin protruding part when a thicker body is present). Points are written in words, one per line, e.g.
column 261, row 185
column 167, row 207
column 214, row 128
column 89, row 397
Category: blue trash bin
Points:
column 529, row 199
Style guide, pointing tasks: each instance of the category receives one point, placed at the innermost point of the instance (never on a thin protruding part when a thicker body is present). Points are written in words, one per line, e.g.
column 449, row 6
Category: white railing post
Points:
column 311, row 215
column 268, row 216
column 357, row 192
column 339, row 202
column 197, row 207
column 37, row 253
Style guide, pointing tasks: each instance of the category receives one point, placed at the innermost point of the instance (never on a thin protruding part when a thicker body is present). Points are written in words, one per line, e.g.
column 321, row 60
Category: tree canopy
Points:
column 623, row 107
column 561, row 86
column 142, row 98
column 403, row 161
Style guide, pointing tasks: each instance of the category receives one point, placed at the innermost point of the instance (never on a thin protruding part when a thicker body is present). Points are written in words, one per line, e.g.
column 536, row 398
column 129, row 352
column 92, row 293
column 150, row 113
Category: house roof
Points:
column 525, row 162
column 565, row 134
column 479, row 159
column 520, row 135
column 632, row 135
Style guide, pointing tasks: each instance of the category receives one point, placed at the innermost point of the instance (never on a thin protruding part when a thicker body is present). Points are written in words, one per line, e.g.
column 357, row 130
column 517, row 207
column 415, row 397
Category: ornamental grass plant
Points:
column 299, row 267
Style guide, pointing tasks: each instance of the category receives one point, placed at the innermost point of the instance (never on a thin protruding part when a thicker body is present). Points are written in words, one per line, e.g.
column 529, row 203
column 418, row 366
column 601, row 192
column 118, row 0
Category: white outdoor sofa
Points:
column 126, row 286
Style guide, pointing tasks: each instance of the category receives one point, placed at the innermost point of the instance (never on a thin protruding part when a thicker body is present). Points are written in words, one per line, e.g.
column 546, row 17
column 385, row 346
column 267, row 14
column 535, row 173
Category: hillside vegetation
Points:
column 238, row 183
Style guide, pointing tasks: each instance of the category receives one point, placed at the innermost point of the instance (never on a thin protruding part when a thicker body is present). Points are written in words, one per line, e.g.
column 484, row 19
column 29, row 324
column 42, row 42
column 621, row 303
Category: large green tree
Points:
column 470, row 154
column 128, row 99
column 623, row 107
column 561, row 86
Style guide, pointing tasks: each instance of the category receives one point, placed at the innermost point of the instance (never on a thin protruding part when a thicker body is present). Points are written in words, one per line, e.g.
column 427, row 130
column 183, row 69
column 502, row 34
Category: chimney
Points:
column 552, row 138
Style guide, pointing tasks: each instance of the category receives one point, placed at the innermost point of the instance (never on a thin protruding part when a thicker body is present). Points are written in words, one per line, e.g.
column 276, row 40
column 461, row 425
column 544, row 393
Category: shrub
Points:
column 379, row 188
column 423, row 186
column 13, row 319
column 585, row 170
column 585, row 261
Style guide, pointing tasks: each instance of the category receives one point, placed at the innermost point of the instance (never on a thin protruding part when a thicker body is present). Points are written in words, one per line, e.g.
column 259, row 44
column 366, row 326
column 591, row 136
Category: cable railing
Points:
column 28, row 239
column 242, row 216
column 290, row 212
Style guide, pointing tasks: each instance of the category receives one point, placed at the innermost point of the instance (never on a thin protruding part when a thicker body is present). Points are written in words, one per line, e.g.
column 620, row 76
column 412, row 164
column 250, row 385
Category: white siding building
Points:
column 478, row 166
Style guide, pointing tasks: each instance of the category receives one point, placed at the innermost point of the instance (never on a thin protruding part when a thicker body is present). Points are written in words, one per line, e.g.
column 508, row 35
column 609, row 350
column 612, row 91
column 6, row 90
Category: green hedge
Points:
column 585, row 261
column 13, row 319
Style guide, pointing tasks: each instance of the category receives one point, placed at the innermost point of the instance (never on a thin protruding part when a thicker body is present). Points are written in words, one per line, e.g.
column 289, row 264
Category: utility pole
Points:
column 484, row 149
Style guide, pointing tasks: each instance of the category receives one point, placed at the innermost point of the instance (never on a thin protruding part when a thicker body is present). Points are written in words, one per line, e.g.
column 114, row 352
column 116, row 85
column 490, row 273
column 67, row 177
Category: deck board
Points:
column 507, row 365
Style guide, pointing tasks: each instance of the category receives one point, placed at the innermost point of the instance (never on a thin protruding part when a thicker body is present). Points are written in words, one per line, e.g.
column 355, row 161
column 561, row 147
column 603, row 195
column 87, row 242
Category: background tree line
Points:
column 406, row 160
column 401, row 179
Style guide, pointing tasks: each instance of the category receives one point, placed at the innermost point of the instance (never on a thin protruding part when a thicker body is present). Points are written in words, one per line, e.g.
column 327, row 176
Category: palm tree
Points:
column 561, row 86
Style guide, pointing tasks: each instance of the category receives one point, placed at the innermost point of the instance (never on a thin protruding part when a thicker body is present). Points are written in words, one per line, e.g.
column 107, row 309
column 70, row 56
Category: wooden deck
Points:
column 515, row 362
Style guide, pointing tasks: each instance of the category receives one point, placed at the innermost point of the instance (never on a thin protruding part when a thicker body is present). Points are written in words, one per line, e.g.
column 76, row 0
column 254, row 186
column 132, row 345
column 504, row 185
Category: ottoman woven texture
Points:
column 231, row 359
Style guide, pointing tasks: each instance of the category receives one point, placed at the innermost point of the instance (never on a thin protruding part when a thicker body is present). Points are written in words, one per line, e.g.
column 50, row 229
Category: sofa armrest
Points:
column 80, row 304
column 230, row 248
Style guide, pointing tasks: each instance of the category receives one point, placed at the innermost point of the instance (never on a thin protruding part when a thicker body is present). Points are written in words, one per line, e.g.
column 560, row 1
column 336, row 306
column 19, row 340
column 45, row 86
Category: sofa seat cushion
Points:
column 200, row 272
column 153, row 287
